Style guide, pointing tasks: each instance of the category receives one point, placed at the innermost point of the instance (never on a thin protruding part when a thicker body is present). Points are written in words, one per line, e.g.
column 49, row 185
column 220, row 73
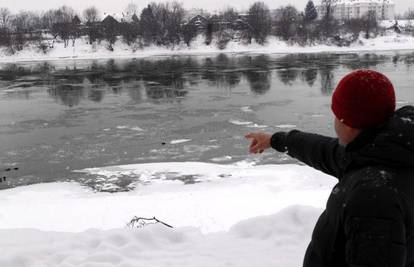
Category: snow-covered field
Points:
column 236, row 215
column 82, row 50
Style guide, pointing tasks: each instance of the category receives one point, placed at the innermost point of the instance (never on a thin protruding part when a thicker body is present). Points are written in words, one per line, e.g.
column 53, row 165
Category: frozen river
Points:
column 62, row 116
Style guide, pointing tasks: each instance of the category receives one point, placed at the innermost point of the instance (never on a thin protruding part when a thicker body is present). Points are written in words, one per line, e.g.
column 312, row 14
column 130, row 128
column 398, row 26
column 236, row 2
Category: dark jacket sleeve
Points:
column 320, row 152
column 374, row 228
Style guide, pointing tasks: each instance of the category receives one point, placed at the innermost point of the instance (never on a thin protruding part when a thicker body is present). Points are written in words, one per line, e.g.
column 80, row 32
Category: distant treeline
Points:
column 169, row 24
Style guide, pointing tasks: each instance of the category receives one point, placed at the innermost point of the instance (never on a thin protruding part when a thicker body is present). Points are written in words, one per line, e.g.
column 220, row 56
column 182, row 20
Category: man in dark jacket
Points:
column 369, row 216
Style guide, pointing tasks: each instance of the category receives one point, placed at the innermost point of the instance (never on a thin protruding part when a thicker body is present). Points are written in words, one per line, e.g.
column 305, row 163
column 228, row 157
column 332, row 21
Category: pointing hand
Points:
column 260, row 142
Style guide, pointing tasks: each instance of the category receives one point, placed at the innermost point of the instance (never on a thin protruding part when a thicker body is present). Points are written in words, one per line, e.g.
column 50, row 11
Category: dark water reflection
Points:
column 56, row 117
column 169, row 78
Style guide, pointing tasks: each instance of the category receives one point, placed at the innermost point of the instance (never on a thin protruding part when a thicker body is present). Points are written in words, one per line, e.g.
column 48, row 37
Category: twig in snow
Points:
column 140, row 222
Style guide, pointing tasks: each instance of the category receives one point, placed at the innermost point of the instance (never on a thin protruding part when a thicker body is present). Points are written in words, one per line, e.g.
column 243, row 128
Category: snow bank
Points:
column 82, row 50
column 400, row 22
column 221, row 196
column 277, row 240
column 236, row 215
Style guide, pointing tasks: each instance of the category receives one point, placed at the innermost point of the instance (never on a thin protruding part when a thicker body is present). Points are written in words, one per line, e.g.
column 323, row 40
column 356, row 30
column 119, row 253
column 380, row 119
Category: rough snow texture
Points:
column 224, row 196
column 82, row 50
column 278, row 240
column 225, row 220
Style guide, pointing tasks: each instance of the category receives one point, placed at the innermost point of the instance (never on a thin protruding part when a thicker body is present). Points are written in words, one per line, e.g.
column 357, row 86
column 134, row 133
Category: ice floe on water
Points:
column 247, row 124
column 137, row 129
column 247, row 109
column 286, row 126
column 179, row 141
column 257, row 126
column 402, row 102
column 128, row 127
column 222, row 159
column 240, row 122
column 317, row 115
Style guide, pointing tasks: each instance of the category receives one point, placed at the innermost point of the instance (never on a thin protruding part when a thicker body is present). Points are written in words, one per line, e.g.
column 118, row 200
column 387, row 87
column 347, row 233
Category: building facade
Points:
column 353, row 9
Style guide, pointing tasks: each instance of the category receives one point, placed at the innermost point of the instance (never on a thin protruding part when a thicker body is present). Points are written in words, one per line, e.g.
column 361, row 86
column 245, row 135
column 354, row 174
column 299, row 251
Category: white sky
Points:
column 117, row 6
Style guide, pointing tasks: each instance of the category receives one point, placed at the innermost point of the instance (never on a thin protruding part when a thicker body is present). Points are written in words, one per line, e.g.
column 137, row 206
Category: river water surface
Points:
column 61, row 116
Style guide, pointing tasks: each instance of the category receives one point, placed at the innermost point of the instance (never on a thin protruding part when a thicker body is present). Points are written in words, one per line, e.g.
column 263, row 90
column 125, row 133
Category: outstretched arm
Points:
column 320, row 152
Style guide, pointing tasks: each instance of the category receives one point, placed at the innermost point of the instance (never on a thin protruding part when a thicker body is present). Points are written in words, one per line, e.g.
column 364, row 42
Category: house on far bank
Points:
column 109, row 22
column 135, row 18
column 76, row 20
column 199, row 21
column 353, row 9
column 241, row 23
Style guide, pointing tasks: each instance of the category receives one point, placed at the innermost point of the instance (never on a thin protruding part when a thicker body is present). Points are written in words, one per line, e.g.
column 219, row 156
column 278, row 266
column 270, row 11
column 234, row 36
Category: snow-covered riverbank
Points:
column 277, row 240
column 82, row 50
column 239, row 214
column 221, row 196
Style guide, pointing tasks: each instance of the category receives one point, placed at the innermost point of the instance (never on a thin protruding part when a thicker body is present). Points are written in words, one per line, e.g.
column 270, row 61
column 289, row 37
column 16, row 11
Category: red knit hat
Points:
column 364, row 99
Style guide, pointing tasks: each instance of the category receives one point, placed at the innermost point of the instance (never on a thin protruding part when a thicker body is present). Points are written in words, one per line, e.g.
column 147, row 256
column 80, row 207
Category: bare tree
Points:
column 62, row 24
column 175, row 19
column 409, row 14
column 5, row 33
column 91, row 17
column 129, row 32
column 21, row 22
column 286, row 24
column 370, row 23
column 110, row 29
column 209, row 33
column 229, row 15
column 260, row 21
column 162, row 23
column 328, row 24
column 130, row 10
column 23, row 27
column 149, row 26
column 5, row 17
column 189, row 32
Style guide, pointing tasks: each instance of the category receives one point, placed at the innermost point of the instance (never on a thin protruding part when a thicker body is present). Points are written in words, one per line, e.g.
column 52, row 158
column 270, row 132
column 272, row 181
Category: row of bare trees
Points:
column 165, row 24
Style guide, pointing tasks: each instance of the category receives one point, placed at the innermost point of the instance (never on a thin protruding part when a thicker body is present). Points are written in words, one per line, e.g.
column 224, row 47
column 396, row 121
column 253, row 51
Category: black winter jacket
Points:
column 369, row 216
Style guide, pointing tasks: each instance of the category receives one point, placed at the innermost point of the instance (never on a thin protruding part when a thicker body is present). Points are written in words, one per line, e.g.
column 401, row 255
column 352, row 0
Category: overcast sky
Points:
column 117, row 6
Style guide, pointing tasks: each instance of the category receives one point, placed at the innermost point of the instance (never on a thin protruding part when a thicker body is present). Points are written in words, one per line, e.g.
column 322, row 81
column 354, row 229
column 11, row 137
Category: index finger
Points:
column 249, row 136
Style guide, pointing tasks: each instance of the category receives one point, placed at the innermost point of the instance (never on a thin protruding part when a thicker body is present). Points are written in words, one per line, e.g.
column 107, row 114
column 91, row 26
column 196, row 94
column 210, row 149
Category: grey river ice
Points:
column 61, row 116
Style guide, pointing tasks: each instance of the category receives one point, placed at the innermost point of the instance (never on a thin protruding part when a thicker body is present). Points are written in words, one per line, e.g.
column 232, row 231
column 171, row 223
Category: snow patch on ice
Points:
column 247, row 109
column 286, row 126
column 179, row 141
column 402, row 102
column 222, row 159
column 239, row 122
column 317, row 115
column 257, row 126
column 128, row 127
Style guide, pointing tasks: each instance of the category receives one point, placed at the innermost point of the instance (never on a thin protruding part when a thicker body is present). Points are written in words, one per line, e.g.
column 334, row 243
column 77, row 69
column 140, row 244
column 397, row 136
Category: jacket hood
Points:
column 389, row 145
